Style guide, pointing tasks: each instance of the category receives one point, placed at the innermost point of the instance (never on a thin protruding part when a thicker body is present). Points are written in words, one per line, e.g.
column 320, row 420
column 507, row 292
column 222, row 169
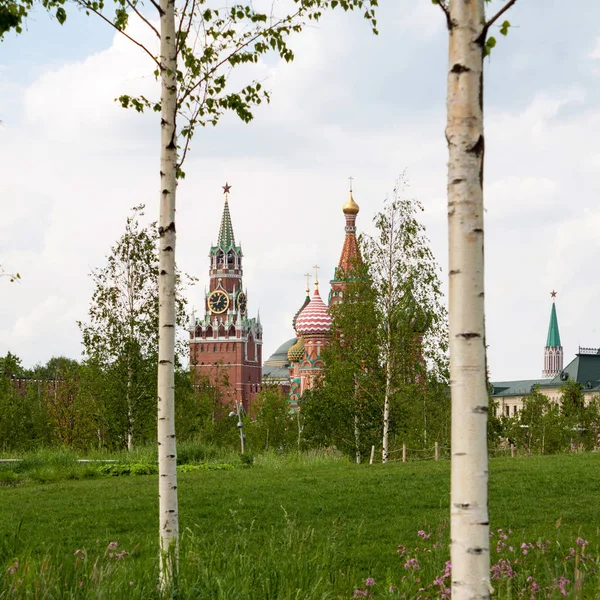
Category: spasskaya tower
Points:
column 226, row 345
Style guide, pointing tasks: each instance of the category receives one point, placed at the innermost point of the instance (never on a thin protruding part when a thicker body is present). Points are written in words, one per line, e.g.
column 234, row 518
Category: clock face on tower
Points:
column 242, row 303
column 218, row 302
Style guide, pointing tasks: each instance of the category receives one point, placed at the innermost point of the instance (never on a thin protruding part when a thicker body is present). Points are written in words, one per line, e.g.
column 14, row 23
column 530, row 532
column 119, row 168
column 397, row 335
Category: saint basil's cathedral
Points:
column 226, row 345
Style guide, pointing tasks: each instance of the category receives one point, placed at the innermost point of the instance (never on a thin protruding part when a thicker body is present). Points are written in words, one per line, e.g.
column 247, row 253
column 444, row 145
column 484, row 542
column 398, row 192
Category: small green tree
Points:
column 540, row 425
column 120, row 337
column 411, row 317
column 572, row 404
column 11, row 366
column 386, row 365
column 273, row 426
column 345, row 409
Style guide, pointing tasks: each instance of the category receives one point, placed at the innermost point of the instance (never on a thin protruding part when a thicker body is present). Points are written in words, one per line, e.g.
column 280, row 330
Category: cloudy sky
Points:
column 75, row 163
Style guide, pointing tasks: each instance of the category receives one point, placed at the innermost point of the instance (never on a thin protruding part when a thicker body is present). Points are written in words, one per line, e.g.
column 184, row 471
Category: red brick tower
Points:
column 226, row 345
column 350, row 253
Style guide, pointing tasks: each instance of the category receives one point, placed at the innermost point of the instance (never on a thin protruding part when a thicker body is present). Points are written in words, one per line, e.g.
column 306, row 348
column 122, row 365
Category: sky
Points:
column 351, row 104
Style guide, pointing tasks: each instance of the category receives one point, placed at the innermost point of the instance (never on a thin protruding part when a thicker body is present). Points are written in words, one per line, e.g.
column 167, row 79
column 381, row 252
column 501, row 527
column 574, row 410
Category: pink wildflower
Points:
column 412, row 563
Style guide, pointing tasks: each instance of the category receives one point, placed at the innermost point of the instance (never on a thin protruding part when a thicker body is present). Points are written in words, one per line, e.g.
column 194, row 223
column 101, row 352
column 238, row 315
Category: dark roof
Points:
column 584, row 368
column 517, row 388
column 275, row 372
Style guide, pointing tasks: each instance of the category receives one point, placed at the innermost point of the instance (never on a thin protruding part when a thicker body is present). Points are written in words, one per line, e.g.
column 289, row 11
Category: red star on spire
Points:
column 553, row 294
column 226, row 188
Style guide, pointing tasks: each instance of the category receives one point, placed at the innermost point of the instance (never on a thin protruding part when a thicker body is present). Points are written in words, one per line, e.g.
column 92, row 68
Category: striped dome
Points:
column 314, row 317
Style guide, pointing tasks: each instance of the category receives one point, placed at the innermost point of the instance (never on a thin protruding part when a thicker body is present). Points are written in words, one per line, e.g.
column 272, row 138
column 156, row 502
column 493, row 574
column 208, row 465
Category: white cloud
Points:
column 595, row 53
column 351, row 104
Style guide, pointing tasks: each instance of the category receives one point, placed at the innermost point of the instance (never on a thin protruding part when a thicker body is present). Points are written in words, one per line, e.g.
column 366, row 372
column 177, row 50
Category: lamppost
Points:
column 240, row 425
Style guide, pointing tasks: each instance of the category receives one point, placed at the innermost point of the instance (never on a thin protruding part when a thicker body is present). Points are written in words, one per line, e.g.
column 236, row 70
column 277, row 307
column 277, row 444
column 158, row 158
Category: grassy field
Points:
column 269, row 518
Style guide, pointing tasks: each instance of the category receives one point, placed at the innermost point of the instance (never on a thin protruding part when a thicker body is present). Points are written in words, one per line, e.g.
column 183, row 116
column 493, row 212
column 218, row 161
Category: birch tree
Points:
column 410, row 313
column 387, row 357
column 199, row 43
column 469, row 523
column 344, row 410
column 120, row 335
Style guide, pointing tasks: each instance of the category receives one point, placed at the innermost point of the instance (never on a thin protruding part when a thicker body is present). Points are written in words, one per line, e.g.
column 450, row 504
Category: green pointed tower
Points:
column 226, row 237
column 553, row 352
column 553, row 340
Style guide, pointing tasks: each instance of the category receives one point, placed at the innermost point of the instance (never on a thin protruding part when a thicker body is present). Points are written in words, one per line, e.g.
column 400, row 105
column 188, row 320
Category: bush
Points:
column 205, row 467
column 247, row 459
column 117, row 470
column 9, row 478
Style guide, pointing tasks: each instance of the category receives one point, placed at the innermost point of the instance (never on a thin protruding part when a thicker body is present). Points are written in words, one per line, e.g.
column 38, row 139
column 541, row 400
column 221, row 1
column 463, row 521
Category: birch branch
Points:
column 498, row 15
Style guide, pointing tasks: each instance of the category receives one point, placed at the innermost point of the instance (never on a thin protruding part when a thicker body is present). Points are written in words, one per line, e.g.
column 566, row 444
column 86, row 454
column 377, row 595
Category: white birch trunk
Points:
column 167, row 455
column 129, row 410
column 388, row 342
column 356, row 424
column 356, row 439
column 386, row 413
column 469, row 480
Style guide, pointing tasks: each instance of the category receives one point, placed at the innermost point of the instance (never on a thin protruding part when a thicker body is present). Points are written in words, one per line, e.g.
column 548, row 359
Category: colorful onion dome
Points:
column 351, row 208
column 296, row 352
column 306, row 301
column 314, row 317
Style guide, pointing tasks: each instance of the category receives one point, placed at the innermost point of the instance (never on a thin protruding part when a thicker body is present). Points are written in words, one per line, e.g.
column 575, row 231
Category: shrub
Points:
column 247, row 459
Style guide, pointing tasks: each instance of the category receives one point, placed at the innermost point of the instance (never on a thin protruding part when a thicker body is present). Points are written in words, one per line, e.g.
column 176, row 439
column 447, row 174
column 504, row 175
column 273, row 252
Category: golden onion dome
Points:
column 351, row 208
column 296, row 352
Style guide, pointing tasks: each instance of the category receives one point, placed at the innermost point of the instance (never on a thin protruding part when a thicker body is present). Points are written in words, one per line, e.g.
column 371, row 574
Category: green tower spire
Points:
column 226, row 239
column 553, row 340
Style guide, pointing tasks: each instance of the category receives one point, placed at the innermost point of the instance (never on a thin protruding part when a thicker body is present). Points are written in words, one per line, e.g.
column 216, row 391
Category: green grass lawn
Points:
column 359, row 513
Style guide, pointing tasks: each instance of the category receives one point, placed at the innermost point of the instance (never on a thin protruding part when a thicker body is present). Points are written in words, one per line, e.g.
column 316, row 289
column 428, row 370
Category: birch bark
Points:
column 167, row 455
column 464, row 132
column 386, row 409
column 389, row 345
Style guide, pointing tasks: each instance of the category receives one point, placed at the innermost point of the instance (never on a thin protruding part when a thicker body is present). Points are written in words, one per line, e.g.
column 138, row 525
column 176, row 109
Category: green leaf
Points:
column 504, row 28
column 489, row 44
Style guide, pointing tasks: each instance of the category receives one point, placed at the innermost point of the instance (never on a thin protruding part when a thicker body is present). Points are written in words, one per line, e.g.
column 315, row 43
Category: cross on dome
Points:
column 308, row 276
